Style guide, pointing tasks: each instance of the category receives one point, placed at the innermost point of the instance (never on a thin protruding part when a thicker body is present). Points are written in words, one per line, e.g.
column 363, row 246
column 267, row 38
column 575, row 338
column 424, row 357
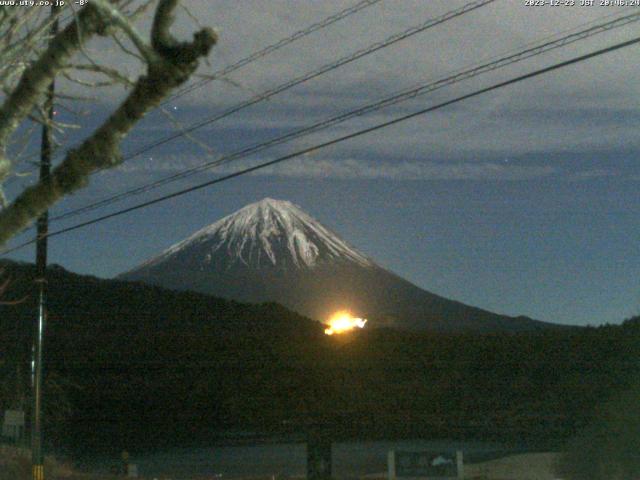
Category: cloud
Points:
column 406, row 170
column 357, row 169
column 581, row 109
column 593, row 174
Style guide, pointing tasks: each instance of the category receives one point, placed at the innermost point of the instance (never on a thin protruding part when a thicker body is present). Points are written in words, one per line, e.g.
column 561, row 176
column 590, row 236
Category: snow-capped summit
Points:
column 273, row 251
column 274, row 234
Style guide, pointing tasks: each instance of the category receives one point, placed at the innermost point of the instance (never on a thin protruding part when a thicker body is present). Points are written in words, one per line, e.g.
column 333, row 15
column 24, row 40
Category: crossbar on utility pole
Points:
column 37, row 455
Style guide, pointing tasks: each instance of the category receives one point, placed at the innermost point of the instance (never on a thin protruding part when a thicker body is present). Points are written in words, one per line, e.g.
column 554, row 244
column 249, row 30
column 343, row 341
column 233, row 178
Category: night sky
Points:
column 523, row 201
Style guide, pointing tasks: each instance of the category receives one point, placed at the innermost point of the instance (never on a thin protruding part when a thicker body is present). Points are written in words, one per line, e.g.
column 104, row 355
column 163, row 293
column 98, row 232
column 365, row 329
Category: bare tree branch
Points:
column 210, row 152
column 111, row 73
column 174, row 62
column 126, row 50
column 36, row 78
column 109, row 10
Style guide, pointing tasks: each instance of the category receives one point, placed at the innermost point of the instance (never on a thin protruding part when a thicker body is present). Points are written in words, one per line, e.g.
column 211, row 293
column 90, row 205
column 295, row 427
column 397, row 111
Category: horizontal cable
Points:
column 335, row 141
column 386, row 102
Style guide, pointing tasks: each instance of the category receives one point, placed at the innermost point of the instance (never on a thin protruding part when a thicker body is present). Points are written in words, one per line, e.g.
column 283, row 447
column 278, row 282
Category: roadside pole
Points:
column 37, row 455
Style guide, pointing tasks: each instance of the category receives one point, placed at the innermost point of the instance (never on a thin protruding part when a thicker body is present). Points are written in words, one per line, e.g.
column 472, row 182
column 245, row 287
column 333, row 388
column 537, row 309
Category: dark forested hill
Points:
column 134, row 366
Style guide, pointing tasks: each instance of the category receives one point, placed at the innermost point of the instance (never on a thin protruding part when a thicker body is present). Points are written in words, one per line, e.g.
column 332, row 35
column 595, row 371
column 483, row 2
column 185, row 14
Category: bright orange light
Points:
column 343, row 321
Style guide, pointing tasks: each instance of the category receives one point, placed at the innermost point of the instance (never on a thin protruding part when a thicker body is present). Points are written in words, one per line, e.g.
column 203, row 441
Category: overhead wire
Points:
column 343, row 138
column 404, row 95
column 273, row 47
column 283, row 42
column 432, row 22
column 391, row 40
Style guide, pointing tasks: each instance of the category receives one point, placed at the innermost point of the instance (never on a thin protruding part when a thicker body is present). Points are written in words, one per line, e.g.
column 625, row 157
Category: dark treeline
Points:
column 137, row 367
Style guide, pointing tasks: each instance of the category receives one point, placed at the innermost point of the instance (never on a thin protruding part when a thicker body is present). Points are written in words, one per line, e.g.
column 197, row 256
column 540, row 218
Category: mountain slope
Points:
column 267, row 235
column 273, row 251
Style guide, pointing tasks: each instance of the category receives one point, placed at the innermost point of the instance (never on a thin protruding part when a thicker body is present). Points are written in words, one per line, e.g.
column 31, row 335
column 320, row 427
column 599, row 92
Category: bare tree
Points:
column 29, row 61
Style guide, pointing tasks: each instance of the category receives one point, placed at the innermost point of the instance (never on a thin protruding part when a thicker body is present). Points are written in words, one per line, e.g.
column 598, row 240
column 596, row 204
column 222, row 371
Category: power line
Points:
column 306, row 77
column 268, row 49
column 273, row 47
column 335, row 141
column 315, row 73
column 392, row 100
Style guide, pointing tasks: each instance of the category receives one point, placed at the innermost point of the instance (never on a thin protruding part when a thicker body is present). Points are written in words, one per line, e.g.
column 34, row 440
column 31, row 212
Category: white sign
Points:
column 425, row 465
column 13, row 425
column 132, row 470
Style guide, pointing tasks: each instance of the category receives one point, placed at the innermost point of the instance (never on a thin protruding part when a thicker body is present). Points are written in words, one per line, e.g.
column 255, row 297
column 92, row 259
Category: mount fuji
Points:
column 272, row 251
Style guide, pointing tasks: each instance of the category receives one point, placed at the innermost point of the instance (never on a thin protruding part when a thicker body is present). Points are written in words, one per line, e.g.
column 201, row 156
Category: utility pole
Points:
column 46, row 151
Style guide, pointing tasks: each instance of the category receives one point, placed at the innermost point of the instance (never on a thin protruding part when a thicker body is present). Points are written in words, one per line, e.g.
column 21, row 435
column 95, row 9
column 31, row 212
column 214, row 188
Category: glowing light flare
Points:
column 343, row 321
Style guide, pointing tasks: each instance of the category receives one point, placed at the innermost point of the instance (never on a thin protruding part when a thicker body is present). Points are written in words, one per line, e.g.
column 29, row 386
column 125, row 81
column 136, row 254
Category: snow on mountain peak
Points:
column 268, row 233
